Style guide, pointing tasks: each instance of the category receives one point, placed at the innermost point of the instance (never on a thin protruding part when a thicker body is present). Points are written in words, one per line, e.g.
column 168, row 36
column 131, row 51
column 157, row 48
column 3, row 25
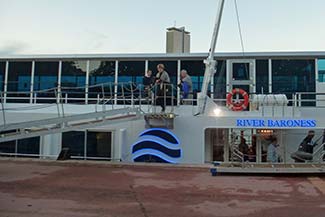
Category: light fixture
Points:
column 217, row 112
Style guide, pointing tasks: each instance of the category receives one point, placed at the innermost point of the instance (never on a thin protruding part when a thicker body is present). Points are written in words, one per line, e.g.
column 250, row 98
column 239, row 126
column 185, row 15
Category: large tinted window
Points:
column 99, row 144
column 101, row 78
column 46, row 75
column 321, row 70
column 7, row 147
column 29, row 146
column 291, row 76
column 2, row 74
column 262, row 76
column 195, row 69
column 75, row 141
column 73, row 78
column 73, row 74
column 101, row 72
column 19, row 76
column 220, row 80
column 131, row 71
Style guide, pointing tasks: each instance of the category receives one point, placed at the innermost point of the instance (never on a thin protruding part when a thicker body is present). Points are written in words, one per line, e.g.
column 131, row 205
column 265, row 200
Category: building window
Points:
column 262, row 76
column 101, row 79
column 321, row 70
column 73, row 79
column 292, row 76
column 2, row 74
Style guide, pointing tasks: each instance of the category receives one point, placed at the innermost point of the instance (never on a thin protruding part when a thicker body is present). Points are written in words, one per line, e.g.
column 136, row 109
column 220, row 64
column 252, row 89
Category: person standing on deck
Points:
column 272, row 155
column 163, row 82
column 186, row 86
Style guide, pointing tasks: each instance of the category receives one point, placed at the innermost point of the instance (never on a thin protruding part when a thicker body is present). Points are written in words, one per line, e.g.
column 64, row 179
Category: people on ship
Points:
column 163, row 86
column 272, row 154
column 186, row 87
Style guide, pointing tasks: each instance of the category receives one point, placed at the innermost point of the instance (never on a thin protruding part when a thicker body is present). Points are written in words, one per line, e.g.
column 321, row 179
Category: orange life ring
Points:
column 239, row 105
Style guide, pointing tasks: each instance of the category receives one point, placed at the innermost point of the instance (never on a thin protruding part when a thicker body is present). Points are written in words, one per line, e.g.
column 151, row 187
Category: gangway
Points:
column 24, row 130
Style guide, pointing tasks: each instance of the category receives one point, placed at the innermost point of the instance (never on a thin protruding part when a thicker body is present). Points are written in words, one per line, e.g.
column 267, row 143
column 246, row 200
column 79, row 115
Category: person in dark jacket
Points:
column 306, row 149
column 307, row 145
column 148, row 82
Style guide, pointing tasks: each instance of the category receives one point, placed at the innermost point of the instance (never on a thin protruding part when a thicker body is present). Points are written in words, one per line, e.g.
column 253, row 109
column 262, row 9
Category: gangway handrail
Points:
column 320, row 150
column 58, row 120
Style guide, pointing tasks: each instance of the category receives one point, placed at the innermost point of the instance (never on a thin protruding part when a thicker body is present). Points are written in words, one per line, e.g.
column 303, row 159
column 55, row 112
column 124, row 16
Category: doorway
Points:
column 216, row 145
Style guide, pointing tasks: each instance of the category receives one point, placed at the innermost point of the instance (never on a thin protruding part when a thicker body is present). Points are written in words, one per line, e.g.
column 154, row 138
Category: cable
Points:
column 239, row 29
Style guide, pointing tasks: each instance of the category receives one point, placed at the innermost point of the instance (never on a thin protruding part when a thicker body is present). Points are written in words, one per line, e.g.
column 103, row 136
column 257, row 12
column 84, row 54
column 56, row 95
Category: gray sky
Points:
column 138, row 26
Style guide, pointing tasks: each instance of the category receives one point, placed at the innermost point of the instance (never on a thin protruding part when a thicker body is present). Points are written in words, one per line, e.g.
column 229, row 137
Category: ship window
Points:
column 29, row 146
column 292, row 76
column 73, row 79
column 46, row 75
column 7, row 147
column 101, row 79
column 321, row 70
column 262, row 76
column 19, row 76
column 46, row 80
column 19, row 81
column 241, row 71
column 220, row 81
column 99, row 144
column 196, row 70
column 131, row 71
column 75, row 141
column 2, row 74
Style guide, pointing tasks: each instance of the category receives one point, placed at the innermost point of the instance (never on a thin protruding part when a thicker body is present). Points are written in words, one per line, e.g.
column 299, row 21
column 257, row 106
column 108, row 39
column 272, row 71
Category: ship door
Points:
column 216, row 148
column 241, row 74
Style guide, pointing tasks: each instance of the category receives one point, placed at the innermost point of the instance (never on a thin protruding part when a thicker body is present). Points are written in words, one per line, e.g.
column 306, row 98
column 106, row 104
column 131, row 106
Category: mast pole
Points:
column 210, row 63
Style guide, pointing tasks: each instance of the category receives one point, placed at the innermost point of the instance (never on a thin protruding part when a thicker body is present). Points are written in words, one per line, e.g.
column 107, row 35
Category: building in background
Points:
column 178, row 40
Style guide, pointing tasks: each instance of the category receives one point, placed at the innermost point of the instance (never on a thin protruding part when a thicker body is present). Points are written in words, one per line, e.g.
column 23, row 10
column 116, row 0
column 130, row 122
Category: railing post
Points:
column 103, row 99
column 3, row 109
column 57, row 103
column 299, row 99
column 132, row 96
column 35, row 98
column 140, row 96
column 32, row 83
column 165, row 94
column 123, row 95
column 172, row 97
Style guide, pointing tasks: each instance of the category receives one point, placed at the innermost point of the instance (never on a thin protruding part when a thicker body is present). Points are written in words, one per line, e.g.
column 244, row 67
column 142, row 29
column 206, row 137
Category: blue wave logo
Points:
column 157, row 145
